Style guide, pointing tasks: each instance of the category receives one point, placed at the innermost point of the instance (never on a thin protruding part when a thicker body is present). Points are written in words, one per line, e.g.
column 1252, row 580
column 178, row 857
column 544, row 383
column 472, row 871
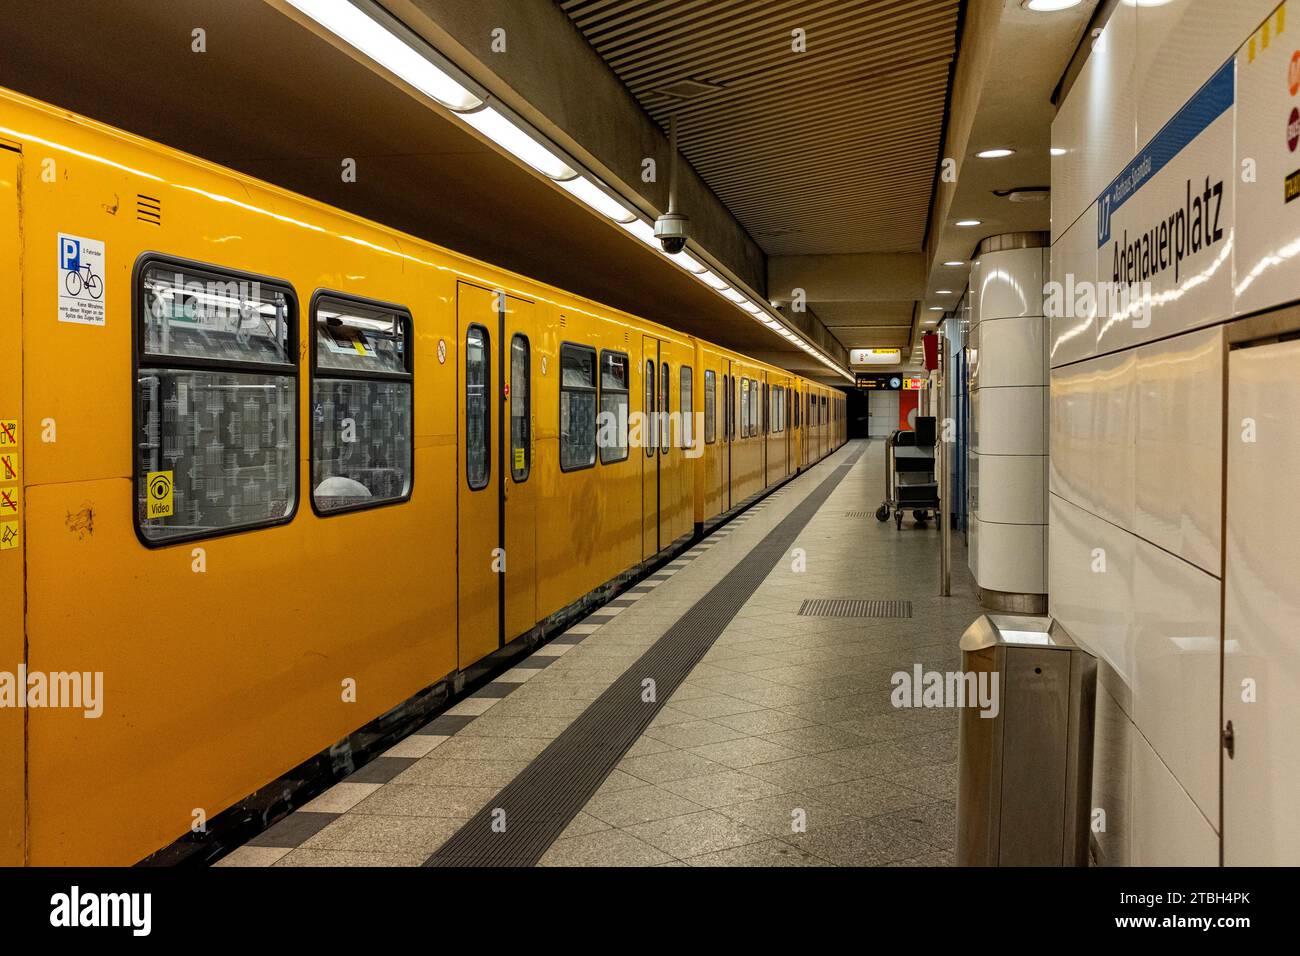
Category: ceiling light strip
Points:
column 381, row 39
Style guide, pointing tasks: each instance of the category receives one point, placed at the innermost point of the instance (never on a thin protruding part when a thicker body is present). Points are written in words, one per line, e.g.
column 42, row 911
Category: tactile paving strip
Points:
column 531, row 812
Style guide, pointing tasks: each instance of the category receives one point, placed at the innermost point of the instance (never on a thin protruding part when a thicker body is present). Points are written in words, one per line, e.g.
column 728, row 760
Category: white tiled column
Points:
column 1009, row 423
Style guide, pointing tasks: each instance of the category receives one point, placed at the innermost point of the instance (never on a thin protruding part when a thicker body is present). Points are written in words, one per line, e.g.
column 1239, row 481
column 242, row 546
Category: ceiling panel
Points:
column 832, row 150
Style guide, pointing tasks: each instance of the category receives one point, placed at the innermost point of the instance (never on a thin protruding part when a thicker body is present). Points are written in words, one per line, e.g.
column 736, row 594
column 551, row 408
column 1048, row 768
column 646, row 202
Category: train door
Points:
column 668, row 492
column 518, row 491
column 12, row 775
column 478, row 551
column 727, row 406
column 649, row 450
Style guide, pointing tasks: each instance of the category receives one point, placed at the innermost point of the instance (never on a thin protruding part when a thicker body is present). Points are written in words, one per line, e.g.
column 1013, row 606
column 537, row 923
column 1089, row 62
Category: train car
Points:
column 281, row 474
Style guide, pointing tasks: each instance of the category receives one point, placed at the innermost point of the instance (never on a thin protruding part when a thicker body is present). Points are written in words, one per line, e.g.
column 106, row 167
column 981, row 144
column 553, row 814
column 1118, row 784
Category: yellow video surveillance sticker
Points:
column 159, row 487
column 8, row 535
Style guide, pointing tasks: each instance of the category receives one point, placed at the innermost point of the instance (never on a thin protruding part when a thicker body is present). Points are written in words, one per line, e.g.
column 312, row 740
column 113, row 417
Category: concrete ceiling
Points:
column 831, row 150
column 825, row 153
column 272, row 99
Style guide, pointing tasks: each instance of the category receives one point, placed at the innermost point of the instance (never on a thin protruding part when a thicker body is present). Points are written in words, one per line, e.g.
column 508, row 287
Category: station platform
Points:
column 709, row 715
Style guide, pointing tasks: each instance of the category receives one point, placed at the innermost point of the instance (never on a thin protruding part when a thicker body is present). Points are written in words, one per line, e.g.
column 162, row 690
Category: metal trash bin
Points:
column 1024, row 785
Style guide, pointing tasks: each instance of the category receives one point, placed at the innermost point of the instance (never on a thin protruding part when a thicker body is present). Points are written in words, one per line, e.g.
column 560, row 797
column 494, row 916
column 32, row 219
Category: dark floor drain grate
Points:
column 846, row 607
column 857, row 514
column 528, row 815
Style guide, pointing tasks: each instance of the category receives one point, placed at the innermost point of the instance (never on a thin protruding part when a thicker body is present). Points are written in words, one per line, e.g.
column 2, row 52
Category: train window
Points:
column 665, row 390
column 577, row 407
column 710, row 406
column 216, row 418
column 687, row 403
column 478, row 409
column 648, row 430
column 744, row 408
column 361, row 404
column 521, row 444
column 614, row 388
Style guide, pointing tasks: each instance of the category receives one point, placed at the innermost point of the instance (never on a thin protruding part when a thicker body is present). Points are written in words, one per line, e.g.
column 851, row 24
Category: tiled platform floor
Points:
column 781, row 748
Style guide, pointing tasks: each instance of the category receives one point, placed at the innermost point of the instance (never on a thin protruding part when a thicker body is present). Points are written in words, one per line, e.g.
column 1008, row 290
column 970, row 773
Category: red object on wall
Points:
column 908, row 403
column 931, row 342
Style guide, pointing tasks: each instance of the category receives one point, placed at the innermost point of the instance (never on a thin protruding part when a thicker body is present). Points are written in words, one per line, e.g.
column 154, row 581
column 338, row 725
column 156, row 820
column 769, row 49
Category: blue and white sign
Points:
column 1165, row 223
column 81, row 280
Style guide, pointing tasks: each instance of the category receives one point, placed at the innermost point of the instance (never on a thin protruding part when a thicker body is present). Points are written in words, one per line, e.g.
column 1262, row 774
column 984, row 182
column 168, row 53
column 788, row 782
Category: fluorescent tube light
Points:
column 587, row 192
column 518, row 143
column 389, row 51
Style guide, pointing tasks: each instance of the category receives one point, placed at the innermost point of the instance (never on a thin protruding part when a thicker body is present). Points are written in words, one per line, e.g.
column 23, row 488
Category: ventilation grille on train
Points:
column 845, row 607
column 148, row 209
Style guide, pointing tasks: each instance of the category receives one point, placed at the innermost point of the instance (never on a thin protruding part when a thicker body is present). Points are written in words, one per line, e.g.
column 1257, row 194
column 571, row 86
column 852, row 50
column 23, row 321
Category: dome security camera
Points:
column 672, row 229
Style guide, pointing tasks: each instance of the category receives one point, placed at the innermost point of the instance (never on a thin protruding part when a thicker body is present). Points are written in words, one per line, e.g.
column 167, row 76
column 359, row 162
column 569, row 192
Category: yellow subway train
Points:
column 272, row 472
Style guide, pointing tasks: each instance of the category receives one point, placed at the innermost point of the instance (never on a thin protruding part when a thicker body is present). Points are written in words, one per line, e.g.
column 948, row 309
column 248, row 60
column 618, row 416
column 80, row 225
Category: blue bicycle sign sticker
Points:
column 81, row 280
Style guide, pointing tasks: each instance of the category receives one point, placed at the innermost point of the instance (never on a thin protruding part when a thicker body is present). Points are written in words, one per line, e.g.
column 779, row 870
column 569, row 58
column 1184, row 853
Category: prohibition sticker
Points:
column 8, row 502
column 442, row 351
column 158, row 485
column 8, row 432
column 9, row 466
column 8, row 535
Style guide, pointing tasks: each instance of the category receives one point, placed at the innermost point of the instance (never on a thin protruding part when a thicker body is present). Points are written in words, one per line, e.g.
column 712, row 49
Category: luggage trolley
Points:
column 909, row 474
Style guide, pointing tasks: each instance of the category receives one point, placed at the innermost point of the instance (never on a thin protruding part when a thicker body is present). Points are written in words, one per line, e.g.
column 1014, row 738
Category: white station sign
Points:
column 875, row 356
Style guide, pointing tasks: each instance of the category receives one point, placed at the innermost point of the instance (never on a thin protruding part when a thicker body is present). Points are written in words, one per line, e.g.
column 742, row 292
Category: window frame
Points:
column 528, row 416
column 140, row 359
column 685, row 375
column 710, row 421
column 665, row 408
column 651, row 411
column 600, row 395
column 407, row 377
column 487, row 391
column 595, row 390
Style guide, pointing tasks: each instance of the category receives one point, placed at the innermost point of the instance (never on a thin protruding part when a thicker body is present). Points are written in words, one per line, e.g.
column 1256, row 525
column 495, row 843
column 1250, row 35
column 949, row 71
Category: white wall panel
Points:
column 1114, row 428
column 1013, row 489
column 1011, row 421
column 1268, row 224
column 1074, row 263
column 1090, row 583
column 1183, row 42
column 1176, row 669
column 1012, row 557
column 1112, row 778
column 1011, row 283
column 1070, row 421
column 1013, row 352
column 1179, row 478
column 1261, row 640
column 1097, row 123
column 1167, row 828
